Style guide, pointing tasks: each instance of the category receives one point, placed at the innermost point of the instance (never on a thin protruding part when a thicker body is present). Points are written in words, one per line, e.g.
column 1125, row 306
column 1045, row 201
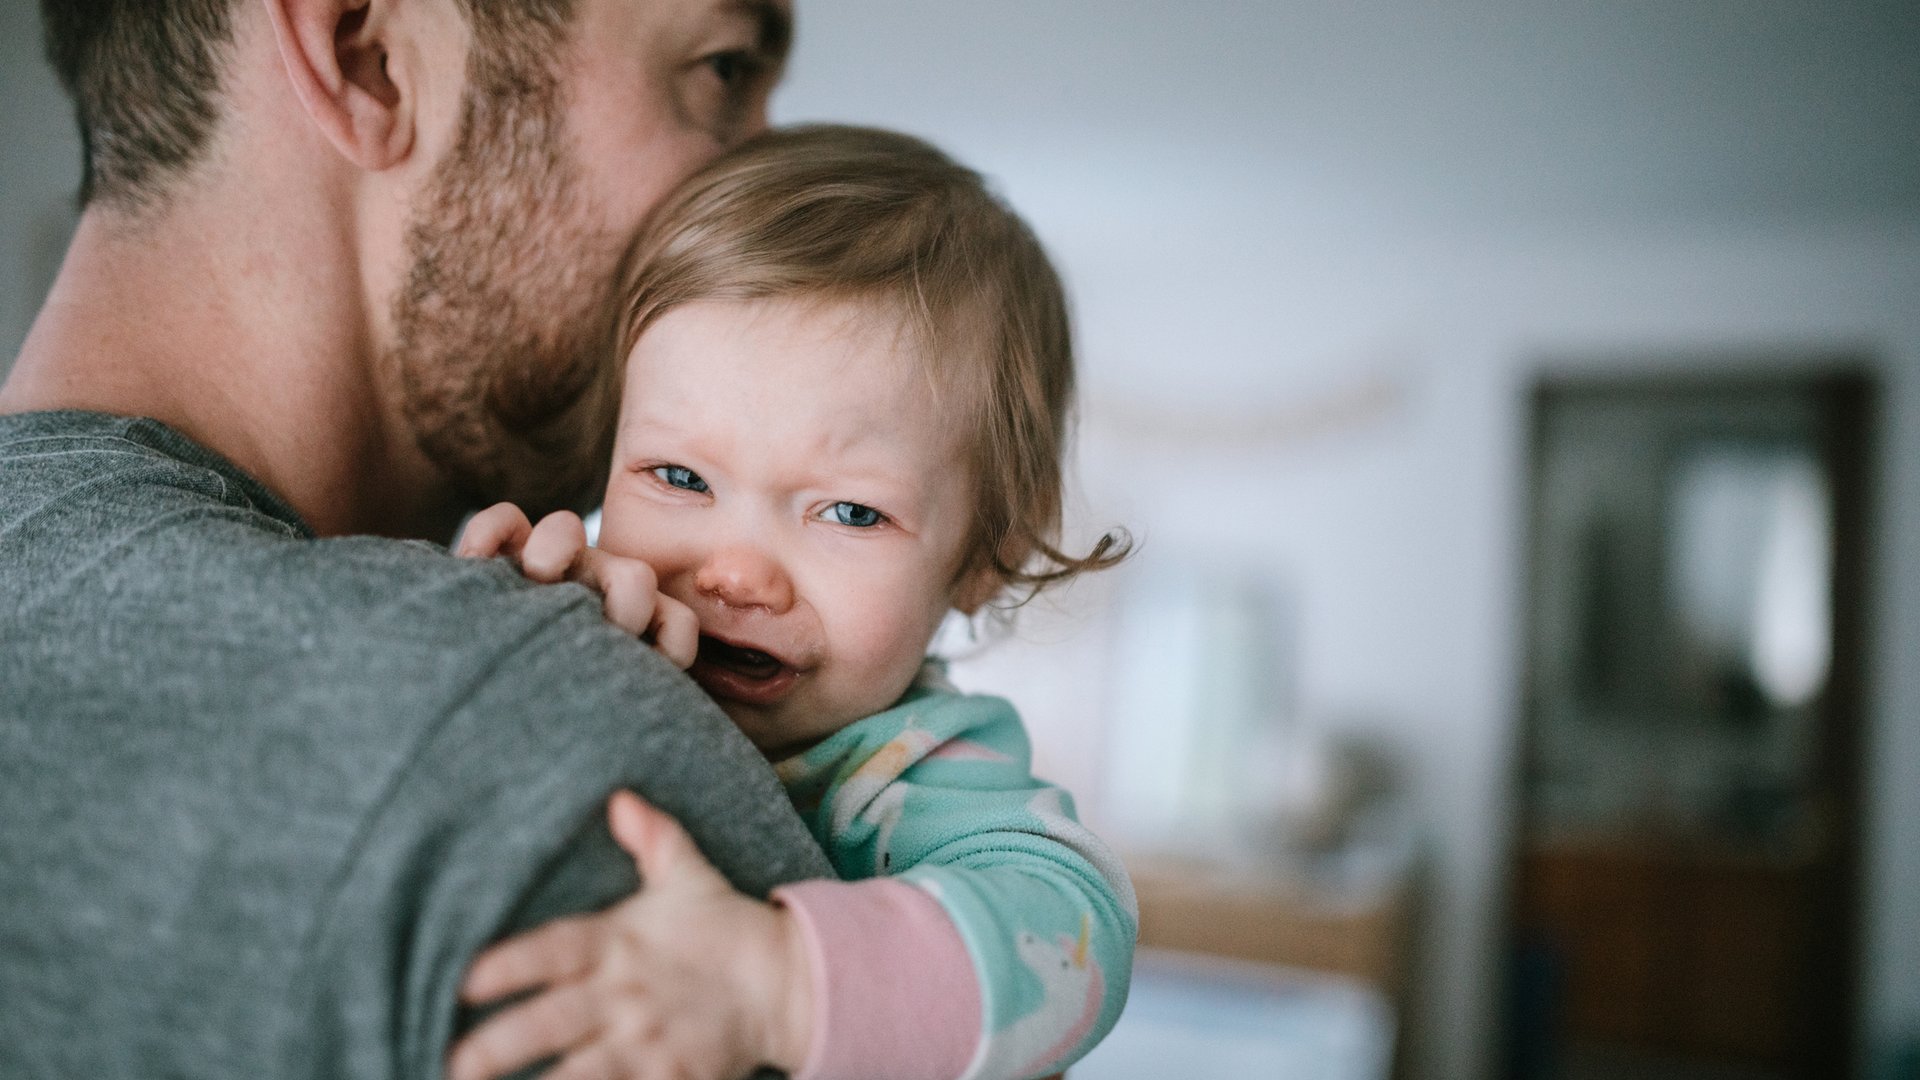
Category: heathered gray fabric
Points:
column 262, row 795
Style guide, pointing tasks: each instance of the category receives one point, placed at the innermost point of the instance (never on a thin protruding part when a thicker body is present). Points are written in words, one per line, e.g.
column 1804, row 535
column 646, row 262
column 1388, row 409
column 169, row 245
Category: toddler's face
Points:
column 785, row 469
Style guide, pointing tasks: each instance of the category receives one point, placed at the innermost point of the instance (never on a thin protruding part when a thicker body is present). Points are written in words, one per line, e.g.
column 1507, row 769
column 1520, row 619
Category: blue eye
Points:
column 856, row 515
column 679, row 476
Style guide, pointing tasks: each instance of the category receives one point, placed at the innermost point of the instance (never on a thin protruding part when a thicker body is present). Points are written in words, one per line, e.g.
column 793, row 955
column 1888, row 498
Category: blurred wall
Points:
column 1319, row 251
column 39, row 170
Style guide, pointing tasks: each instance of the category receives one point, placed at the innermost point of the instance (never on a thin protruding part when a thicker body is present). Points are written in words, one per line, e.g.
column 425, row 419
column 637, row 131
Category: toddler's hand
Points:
column 556, row 550
column 687, row 978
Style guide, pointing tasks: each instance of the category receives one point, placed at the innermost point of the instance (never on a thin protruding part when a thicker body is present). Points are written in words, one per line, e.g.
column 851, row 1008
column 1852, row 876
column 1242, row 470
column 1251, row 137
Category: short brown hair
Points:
column 145, row 78
column 853, row 213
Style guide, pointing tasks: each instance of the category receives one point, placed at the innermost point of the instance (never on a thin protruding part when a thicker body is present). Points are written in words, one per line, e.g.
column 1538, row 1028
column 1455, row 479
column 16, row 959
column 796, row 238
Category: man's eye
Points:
column 733, row 68
column 855, row 515
column 678, row 476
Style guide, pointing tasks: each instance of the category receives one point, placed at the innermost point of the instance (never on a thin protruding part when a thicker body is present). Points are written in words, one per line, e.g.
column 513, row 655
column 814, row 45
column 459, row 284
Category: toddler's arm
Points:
column 686, row 978
column 937, row 792
column 1002, row 950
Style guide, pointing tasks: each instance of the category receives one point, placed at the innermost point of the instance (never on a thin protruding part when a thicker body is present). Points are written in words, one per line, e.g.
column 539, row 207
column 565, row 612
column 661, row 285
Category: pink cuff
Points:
column 894, row 992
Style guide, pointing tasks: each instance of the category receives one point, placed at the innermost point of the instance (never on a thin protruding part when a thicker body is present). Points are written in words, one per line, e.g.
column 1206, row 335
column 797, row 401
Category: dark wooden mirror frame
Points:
column 1824, row 965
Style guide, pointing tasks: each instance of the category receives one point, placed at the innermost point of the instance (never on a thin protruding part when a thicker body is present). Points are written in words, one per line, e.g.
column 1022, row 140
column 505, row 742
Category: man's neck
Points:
column 202, row 322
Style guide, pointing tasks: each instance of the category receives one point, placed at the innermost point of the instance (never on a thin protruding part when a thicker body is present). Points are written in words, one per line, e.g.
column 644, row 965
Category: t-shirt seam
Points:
column 145, row 454
column 267, row 501
column 171, row 454
column 146, row 451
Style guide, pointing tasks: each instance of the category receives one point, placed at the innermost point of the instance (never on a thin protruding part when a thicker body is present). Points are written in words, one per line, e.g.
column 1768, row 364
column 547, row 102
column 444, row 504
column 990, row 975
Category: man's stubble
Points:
column 503, row 330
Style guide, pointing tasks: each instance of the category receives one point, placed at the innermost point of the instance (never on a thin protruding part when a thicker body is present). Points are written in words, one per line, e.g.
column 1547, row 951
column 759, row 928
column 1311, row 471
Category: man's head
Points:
column 486, row 293
column 147, row 78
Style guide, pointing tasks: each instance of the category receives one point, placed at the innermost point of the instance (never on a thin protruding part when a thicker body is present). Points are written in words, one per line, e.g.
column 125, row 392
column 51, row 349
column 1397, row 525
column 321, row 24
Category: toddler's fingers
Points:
column 594, row 1061
column 628, row 589
column 676, row 631
column 553, row 547
column 543, row 1027
column 500, row 529
column 626, row 819
column 665, row 855
column 563, row 950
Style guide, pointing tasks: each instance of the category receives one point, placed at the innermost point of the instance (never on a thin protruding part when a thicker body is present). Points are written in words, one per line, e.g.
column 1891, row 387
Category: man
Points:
column 343, row 268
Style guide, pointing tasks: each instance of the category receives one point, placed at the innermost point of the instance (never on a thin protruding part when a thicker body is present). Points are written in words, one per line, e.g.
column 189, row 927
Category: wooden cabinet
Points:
column 1685, row 954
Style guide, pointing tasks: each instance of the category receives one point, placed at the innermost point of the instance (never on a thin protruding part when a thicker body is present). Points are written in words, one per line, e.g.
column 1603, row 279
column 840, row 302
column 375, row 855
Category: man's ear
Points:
column 336, row 54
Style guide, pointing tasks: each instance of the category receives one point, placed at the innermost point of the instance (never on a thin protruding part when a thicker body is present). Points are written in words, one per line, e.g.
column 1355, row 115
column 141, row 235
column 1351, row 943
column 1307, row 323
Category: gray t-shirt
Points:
column 263, row 795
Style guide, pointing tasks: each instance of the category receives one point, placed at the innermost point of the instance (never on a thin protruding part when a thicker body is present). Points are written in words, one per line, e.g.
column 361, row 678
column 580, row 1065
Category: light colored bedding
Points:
column 1197, row 1018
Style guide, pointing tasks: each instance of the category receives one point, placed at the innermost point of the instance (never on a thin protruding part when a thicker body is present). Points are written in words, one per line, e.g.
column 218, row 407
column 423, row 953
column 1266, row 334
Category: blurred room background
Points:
column 1517, row 406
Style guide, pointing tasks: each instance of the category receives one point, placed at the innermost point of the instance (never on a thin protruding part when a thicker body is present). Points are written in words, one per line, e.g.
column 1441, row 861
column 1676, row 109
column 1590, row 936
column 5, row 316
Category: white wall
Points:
column 1268, row 213
column 1400, row 537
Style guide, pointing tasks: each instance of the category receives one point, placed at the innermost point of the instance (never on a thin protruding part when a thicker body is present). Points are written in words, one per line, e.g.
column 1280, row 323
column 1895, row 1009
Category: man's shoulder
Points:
column 292, row 783
column 117, row 518
column 153, row 583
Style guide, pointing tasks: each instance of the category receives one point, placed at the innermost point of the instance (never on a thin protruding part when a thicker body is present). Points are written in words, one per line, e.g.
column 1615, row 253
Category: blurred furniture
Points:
column 1339, row 918
column 1212, row 1019
column 1699, row 954
column 1198, row 907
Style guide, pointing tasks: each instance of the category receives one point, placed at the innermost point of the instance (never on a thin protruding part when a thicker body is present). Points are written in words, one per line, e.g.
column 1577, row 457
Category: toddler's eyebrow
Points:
column 651, row 422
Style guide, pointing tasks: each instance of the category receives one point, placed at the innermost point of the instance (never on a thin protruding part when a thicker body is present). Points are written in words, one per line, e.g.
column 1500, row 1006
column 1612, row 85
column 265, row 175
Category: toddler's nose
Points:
column 744, row 577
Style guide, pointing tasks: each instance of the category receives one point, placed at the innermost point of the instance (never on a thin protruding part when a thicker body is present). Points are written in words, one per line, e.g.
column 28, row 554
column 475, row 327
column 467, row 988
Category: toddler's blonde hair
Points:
column 858, row 214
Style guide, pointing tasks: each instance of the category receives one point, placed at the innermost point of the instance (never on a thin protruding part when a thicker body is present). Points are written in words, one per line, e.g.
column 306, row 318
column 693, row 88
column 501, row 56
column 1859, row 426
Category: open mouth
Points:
column 751, row 663
column 741, row 673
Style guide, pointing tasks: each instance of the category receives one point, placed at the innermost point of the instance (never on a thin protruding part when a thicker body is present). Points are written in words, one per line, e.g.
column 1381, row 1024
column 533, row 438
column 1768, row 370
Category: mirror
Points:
column 1687, row 837
column 1682, row 611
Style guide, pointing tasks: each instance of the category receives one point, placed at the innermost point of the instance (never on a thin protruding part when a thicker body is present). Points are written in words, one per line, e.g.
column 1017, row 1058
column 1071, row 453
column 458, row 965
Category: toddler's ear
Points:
column 975, row 588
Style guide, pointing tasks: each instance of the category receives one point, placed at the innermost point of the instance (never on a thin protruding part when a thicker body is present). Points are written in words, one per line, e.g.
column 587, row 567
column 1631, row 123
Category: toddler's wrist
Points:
column 787, row 994
column 800, row 985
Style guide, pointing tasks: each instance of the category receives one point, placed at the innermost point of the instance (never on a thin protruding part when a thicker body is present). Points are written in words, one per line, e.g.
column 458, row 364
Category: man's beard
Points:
column 503, row 331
